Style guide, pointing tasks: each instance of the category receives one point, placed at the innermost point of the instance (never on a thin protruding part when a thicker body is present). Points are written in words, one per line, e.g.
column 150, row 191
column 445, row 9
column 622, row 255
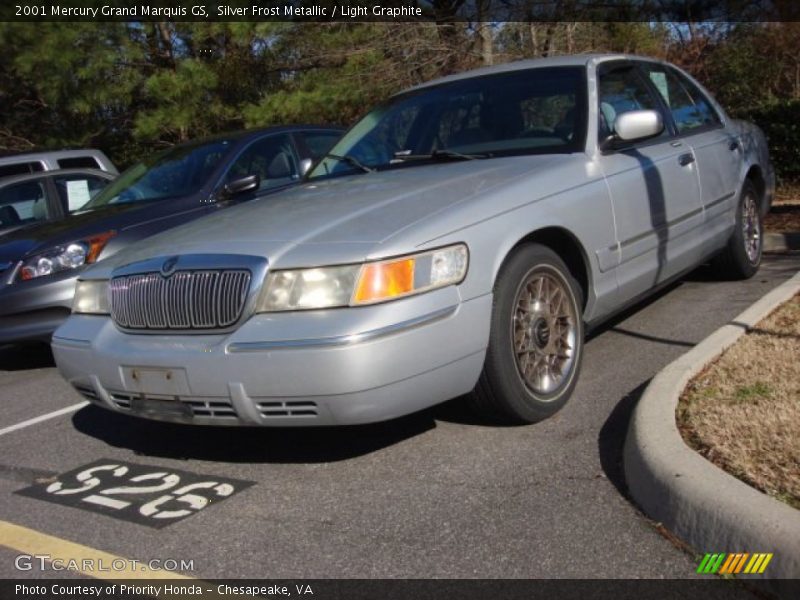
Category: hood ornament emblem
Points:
column 168, row 268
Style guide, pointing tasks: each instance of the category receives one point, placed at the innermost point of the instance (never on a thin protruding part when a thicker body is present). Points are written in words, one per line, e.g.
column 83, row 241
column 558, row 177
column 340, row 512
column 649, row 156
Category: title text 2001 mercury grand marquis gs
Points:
column 457, row 239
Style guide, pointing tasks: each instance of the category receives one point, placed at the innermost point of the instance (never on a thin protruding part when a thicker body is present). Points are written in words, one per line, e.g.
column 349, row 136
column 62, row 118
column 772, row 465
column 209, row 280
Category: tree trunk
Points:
column 487, row 44
column 534, row 39
column 571, row 37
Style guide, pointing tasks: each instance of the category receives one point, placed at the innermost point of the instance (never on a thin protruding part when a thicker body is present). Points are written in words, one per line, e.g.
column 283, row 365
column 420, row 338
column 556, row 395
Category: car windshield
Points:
column 175, row 172
column 532, row 111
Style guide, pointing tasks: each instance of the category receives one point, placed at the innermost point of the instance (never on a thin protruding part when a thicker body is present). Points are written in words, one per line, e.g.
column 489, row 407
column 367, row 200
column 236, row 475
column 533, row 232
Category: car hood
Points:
column 347, row 216
column 31, row 239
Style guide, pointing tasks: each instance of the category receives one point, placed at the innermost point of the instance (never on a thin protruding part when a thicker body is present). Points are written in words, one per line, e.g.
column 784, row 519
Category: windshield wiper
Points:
column 351, row 160
column 440, row 154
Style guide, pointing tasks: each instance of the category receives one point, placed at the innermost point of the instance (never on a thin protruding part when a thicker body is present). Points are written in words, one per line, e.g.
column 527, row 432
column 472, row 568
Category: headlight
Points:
column 64, row 258
column 91, row 297
column 367, row 283
column 309, row 288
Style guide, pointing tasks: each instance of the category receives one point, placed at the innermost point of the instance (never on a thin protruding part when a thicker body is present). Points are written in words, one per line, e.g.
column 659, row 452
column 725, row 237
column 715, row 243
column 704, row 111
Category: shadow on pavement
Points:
column 246, row 444
column 20, row 357
column 611, row 440
column 458, row 411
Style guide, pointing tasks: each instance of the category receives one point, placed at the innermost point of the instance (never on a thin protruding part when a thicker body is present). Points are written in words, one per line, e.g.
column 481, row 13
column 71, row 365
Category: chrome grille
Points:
column 208, row 299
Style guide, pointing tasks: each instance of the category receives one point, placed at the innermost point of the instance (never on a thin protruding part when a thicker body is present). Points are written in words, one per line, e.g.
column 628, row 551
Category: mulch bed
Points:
column 783, row 218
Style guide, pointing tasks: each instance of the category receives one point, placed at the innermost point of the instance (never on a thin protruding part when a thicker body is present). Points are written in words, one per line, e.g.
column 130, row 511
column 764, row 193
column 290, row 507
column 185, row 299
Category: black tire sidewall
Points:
column 742, row 262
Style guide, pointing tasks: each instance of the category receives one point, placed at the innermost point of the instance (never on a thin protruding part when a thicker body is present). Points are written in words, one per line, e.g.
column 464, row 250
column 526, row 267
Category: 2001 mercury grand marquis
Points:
column 457, row 239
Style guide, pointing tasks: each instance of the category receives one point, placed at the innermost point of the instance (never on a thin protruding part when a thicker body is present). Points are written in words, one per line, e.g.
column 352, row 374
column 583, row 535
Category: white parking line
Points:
column 39, row 419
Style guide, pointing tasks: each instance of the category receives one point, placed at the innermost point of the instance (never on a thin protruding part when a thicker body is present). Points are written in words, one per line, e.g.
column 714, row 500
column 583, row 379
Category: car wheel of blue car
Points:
column 536, row 340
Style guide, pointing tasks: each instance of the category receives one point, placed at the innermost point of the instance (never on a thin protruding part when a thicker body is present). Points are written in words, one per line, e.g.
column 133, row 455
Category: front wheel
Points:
column 536, row 339
column 742, row 256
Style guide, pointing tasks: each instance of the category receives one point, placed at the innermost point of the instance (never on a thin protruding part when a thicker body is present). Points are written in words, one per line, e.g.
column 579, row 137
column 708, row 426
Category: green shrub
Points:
column 781, row 124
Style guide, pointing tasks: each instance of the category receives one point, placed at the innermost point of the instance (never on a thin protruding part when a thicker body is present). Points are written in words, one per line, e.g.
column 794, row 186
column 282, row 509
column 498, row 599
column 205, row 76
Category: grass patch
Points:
column 748, row 392
column 742, row 412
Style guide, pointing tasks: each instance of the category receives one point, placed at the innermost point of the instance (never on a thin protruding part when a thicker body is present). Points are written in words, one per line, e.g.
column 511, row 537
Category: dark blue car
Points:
column 40, row 263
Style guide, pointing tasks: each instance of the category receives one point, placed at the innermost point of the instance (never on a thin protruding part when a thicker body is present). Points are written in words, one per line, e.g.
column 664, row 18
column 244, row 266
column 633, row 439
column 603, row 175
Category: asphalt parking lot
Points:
column 435, row 494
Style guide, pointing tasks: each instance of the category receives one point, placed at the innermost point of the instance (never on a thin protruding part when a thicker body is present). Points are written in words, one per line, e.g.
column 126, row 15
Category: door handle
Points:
column 733, row 146
column 685, row 159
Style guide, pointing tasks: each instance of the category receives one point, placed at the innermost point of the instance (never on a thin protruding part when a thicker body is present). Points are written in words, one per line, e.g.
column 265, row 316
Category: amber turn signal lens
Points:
column 385, row 280
column 96, row 245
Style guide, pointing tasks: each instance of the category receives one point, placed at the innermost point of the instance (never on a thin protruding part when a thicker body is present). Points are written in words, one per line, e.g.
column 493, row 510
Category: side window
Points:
column 689, row 110
column 319, row 143
column 75, row 191
column 701, row 102
column 621, row 90
column 22, row 168
column 79, row 162
column 23, row 203
column 271, row 158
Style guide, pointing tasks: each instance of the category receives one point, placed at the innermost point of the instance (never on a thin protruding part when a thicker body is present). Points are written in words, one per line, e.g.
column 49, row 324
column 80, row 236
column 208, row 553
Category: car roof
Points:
column 571, row 60
column 246, row 134
column 56, row 154
column 12, row 179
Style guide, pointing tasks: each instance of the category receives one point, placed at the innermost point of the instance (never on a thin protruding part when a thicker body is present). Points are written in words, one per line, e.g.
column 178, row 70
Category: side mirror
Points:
column 241, row 185
column 638, row 125
column 305, row 166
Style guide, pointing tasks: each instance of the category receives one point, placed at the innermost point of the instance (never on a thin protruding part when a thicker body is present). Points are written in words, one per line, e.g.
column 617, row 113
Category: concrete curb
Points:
column 782, row 242
column 705, row 506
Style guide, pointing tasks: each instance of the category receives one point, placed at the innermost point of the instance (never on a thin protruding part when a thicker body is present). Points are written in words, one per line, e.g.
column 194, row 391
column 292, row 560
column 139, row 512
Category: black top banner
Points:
column 438, row 11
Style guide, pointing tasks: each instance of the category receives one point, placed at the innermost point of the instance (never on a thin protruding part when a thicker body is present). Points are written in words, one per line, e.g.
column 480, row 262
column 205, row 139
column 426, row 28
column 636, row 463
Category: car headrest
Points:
column 39, row 209
column 279, row 167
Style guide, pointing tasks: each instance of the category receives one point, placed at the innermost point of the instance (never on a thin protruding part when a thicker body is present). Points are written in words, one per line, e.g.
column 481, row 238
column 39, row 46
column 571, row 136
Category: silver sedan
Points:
column 458, row 240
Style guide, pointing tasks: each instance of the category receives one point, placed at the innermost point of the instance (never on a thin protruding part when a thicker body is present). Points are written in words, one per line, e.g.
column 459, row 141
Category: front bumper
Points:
column 33, row 310
column 327, row 367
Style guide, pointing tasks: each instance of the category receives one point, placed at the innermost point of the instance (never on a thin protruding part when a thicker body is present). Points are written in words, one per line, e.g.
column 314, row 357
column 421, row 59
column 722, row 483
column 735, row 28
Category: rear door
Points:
column 653, row 184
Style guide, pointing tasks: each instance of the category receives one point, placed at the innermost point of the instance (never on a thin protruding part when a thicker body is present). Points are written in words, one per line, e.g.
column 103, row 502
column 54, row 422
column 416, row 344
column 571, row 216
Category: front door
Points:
column 653, row 184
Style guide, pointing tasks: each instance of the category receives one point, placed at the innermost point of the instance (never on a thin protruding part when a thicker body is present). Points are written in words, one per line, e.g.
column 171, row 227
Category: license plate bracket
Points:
column 161, row 407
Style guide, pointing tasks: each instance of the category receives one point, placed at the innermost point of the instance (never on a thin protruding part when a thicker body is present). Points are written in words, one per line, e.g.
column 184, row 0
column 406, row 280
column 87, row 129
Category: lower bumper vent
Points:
column 288, row 409
column 87, row 393
column 208, row 408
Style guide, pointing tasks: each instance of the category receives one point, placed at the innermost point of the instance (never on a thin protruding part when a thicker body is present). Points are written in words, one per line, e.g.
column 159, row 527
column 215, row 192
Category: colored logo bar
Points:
column 734, row 563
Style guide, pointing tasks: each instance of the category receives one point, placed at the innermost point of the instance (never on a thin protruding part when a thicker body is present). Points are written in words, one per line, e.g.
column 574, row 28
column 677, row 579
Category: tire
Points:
column 529, row 373
column 741, row 258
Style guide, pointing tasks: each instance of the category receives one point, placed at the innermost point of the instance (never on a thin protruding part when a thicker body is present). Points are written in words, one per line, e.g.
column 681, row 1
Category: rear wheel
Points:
column 536, row 339
column 742, row 256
